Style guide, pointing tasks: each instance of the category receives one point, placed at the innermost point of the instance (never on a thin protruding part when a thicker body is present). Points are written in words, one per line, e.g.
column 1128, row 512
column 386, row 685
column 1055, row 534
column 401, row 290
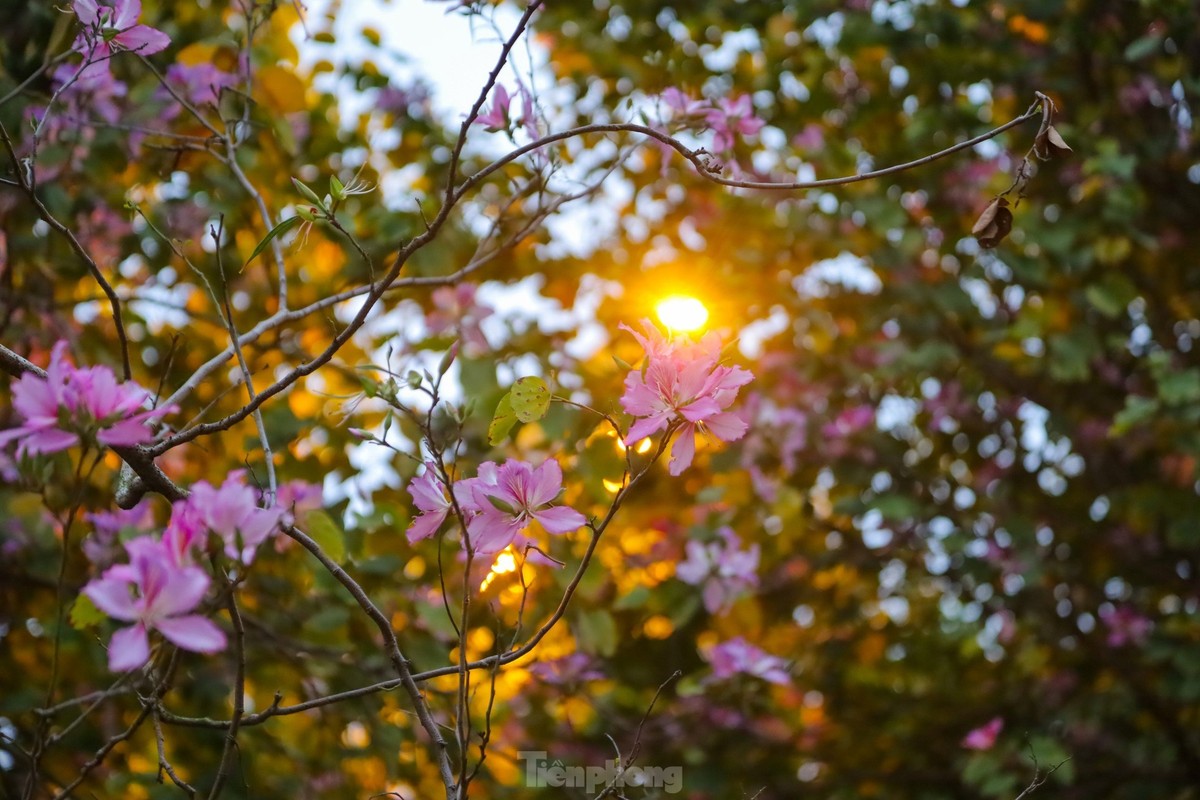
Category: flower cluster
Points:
column 736, row 656
column 162, row 584
column 72, row 405
column 727, row 118
column 231, row 511
column 722, row 568
column 500, row 503
column 682, row 383
column 779, row 434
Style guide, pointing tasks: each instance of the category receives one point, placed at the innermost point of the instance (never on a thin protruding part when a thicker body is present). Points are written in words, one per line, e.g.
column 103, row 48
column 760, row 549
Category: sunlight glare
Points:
column 506, row 561
column 681, row 313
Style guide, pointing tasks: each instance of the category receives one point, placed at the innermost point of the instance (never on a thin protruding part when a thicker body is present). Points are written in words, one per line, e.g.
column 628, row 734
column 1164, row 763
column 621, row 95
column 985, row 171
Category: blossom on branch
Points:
column 72, row 405
column 509, row 498
column 731, row 118
column 110, row 28
column 231, row 512
column 498, row 505
column 739, row 656
column 682, row 383
column 497, row 118
column 152, row 592
column 722, row 568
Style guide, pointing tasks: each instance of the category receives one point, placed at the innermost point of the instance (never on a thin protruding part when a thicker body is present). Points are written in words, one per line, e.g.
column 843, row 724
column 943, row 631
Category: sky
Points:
column 450, row 51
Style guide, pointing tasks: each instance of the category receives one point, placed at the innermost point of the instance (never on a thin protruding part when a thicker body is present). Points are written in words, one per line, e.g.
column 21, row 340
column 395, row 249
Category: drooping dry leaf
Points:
column 1000, row 226
column 1057, row 144
column 988, row 215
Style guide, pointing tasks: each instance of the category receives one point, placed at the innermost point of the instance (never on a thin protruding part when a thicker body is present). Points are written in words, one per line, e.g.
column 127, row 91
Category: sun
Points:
column 682, row 313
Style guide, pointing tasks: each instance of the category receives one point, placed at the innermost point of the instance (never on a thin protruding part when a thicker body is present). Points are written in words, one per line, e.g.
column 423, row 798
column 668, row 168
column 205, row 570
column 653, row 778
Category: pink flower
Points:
column 200, row 84
column 811, row 139
column 116, row 28
column 730, row 118
column 528, row 115
column 456, row 311
column 70, row 405
column 849, row 422
column 432, row 500
column 984, row 737
column 511, row 497
column 297, row 497
column 231, row 512
column 682, row 382
column 568, row 670
column 153, row 593
column 1125, row 625
column 185, row 532
column 100, row 547
column 682, row 104
column 497, row 118
column 739, row 656
column 722, row 568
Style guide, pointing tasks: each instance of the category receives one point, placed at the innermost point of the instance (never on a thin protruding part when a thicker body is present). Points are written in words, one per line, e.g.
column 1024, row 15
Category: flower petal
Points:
column 126, row 13
column 646, row 427
column 560, row 519
column 546, row 483
column 125, row 433
column 143, row 40
column 726, row 426
column 87, row 11
column 192, row 632
column 184, row 591
column 112, row 597
column 425, row 525
column 129, row 649
column 684, row 450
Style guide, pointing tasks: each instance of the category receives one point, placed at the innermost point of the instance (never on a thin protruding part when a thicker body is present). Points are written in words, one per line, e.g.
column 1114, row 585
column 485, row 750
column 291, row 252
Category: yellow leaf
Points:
column 196, row 54
column 280, row 90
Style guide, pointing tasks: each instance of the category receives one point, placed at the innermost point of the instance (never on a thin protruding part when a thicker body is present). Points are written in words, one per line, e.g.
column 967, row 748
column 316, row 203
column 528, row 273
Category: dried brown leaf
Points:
column 988, row 215
column 1057, row 143
column 1000, row 227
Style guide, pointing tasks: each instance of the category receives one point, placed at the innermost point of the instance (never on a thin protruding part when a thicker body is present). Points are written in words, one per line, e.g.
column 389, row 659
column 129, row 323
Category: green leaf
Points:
column 326, row 533
column 84, row 613
column 278, row 230
column 1179, row 388
column 596, row 632
column 530, row 399
column 1137, row 410
column 503, row 421
column 1111, row 296
column 896, row 506
column 1140, row 48
column 634, row 599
